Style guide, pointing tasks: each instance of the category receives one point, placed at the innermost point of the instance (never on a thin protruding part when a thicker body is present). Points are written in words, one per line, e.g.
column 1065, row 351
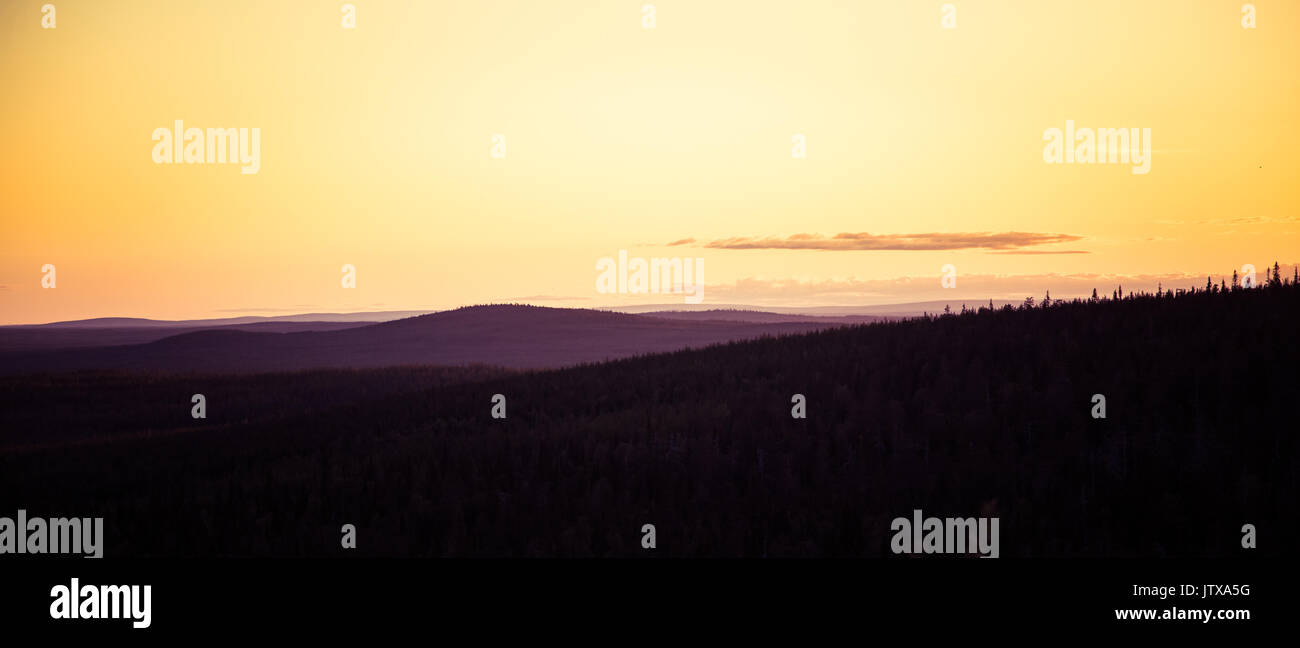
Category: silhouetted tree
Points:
column 943, row 414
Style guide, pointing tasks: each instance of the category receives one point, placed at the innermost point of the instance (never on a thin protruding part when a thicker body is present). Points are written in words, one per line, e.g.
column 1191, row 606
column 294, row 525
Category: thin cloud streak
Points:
column 795, row 292
column 1042, row 252
column 864, row 241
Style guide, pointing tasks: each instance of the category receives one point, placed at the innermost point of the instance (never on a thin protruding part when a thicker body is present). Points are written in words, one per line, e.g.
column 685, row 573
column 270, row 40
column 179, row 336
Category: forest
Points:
column 987, row 412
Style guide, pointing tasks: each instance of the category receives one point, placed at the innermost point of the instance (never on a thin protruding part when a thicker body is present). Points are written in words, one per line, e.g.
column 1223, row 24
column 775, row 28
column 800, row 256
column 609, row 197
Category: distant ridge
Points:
column 758, row 316
column 907, row 309
column 139, row 322
column 50, row 337
column 675, row 310
column 511, row 336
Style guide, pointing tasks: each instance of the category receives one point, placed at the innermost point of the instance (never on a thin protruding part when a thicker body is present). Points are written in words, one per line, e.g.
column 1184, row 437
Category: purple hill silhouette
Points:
column 513, row 336
column 77, row 335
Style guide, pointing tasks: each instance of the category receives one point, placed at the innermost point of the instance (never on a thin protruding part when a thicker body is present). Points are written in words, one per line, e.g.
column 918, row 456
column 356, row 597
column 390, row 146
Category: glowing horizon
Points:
column 925, row 147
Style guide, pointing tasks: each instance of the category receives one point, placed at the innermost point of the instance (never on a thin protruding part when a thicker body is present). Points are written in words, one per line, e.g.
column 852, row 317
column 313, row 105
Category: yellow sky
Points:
column 376, row 145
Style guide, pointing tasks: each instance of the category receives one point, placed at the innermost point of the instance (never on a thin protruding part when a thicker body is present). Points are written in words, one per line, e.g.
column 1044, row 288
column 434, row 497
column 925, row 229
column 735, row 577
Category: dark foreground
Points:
column 985, row 414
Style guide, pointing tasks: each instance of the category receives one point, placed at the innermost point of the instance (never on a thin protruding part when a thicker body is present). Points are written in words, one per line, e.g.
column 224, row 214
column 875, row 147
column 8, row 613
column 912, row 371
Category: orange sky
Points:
column 375, row 150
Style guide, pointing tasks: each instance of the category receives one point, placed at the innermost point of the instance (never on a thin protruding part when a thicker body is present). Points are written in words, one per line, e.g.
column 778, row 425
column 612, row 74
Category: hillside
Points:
column 980, row 414
column 47, row 337
column 500, row 335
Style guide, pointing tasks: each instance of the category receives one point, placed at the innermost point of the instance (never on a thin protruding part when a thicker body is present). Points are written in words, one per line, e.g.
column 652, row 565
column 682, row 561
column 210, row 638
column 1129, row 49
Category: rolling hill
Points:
column 511, row 336
column 990, row 413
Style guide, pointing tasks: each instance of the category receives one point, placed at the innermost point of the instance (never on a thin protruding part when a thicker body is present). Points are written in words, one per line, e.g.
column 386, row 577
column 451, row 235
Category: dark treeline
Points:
column 982, row 413
column 58, row 408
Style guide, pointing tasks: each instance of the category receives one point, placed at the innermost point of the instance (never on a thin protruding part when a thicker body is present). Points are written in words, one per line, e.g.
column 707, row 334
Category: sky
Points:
column 669, row 131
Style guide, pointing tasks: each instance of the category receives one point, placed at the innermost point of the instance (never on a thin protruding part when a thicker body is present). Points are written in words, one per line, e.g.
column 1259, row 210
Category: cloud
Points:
column 1236, row 220
column 1042, row 252
column 530, row 298
column 682, row 242
column 852, row 291
column 269, row 309
column 859, row 241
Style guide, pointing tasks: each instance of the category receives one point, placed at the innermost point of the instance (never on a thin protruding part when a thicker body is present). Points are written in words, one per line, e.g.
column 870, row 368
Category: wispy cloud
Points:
column 851, row 291
column 1236, row 220
column 857, row 241
column 295, row 309
column 1041, row 252
column 548, row 298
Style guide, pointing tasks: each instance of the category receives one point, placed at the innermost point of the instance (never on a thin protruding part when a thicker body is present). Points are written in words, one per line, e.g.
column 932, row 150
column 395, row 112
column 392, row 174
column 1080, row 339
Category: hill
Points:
column 509, row 336
column 46, row 337
column 988, row 413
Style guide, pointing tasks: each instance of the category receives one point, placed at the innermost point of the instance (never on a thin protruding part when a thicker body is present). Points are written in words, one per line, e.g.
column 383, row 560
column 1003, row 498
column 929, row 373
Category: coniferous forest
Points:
column 985, row 412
